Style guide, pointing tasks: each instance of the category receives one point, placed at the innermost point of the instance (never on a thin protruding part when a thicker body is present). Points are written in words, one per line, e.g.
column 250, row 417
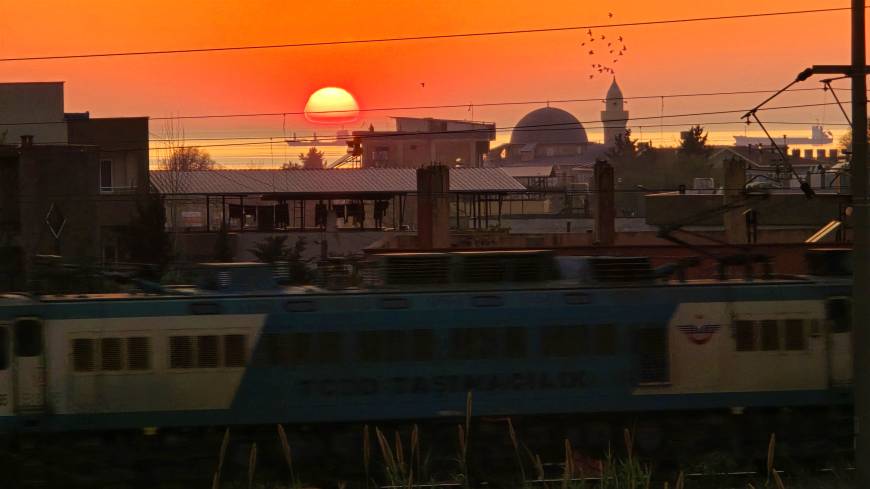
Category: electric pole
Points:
column 860, row 252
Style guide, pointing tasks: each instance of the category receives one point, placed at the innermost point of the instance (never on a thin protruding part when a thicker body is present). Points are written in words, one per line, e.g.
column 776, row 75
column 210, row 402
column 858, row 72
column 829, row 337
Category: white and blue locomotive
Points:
column 575, row 346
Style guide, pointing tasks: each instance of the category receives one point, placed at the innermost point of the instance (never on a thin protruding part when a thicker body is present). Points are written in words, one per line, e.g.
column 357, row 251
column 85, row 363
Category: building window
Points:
column 83, row 354
column 106, row 175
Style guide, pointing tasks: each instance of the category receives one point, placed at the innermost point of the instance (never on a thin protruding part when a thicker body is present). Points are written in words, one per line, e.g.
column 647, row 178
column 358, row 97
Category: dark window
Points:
column 4, row 348
column 329, row 347
column 370, row 346
column 604, row 339
column 207, row 351
column 28, row 338
column 138, row 353
column 83, row 354
column 515, row 342
column 106, row 175
column 745, row 331
column 795, row 338
column 180, row 352
column 839, row 312
column 423, row 344
column 234, row 350
column 563, row 341
column 474, row 343
column 652, row 345
column 769, row 335
column 110, row 353
column 289, row 349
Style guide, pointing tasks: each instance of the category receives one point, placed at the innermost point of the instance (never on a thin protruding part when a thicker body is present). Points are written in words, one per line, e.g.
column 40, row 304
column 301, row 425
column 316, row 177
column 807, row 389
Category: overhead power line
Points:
column 440, row 106
column 423, row 37
column 529, row 128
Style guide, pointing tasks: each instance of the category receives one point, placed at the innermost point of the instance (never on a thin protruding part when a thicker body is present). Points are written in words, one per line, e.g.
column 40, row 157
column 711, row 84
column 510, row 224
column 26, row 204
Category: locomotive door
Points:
column 28, row 366
column 5, row 371
column 839, row 317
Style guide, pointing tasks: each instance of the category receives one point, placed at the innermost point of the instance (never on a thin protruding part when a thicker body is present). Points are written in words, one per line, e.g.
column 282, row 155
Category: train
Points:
column 604, row 341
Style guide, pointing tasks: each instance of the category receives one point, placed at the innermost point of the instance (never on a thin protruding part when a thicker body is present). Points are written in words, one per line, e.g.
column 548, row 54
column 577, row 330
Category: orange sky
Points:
column 730, row 55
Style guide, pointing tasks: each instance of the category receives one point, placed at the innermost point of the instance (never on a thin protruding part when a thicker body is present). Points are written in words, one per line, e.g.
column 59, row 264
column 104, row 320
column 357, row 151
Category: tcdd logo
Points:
column 700, row 333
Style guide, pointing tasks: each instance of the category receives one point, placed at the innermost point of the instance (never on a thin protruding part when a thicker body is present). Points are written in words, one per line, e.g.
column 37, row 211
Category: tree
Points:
column 693, row 143
column 149, row 241
column 189, row 158
column 223, row 251
column 271, row 249
column 313, row 160
column 624, row 148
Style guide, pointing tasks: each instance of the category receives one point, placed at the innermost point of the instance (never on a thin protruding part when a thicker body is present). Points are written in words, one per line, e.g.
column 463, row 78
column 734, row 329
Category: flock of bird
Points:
column 606, row 49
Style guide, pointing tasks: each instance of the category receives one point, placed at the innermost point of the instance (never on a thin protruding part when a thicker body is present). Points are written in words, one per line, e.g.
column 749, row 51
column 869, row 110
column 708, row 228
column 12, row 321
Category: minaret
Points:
column 614, row 117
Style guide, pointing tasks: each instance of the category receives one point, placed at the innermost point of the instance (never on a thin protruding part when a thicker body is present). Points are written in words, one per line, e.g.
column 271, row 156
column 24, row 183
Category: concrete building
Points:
column 419, row 142
column 35, row 109
column 69, row 184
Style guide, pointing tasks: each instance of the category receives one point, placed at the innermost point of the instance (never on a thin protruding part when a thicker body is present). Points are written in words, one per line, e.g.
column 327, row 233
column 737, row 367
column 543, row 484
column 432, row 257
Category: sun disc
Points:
column 331, row 105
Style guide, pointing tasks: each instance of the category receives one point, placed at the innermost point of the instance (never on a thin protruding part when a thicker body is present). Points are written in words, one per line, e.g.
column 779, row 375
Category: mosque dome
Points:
column 549, row 125
column 614, row 92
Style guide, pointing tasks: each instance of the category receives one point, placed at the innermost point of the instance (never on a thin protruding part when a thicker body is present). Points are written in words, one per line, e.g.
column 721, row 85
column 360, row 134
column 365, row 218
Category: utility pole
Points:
column 860, row 251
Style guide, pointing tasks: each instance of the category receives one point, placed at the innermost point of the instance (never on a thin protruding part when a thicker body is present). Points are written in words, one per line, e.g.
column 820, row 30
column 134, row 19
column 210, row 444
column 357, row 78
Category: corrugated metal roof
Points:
column 325, row 182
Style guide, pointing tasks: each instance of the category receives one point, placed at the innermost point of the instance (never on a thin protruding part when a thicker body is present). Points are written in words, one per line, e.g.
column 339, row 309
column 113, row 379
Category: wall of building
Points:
column 32, row 102
column 124, row 142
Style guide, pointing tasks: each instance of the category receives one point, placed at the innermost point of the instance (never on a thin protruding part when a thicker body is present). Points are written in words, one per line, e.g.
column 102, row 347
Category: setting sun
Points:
column 331, row 105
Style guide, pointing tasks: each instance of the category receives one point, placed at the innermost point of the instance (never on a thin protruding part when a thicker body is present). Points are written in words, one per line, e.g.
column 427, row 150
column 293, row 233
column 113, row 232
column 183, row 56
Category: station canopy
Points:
column 325, row 183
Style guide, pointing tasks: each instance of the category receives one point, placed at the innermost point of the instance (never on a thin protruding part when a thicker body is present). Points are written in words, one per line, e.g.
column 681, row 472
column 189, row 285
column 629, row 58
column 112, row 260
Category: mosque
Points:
column 550, row 136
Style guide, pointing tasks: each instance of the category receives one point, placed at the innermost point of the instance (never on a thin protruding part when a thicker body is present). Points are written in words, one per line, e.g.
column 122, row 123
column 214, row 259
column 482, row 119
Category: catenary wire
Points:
column 423, row 37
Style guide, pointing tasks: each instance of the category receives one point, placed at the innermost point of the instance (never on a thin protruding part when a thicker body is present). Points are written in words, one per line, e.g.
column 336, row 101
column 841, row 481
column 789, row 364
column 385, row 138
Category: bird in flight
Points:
column 610, row 14
column 422, row 84
column 589, row 32
column 591, row 52
column 603, row 37
column 620, row 38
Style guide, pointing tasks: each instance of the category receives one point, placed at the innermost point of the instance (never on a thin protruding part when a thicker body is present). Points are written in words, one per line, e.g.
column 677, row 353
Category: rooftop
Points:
column 322, row 183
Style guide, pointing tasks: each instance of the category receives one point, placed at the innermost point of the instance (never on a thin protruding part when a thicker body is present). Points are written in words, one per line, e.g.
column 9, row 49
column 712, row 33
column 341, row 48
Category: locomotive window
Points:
column 138, row 353
column 769, row 335
column 180, row 352
column 563, row 341
column 515, row 342
column 653, row 365
column 110, row 350
column 329, row 347
column 423, row 345
column 83, row 354
column 604, row 339
column 839, row 312
column 28, row 338
column 370, row 347
column 300, row 348
column 207, row 351
column 745, row 331
column 234, row 350
column 278, row 350
column 472, row 343
column 4, row 348
column 794, row 335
